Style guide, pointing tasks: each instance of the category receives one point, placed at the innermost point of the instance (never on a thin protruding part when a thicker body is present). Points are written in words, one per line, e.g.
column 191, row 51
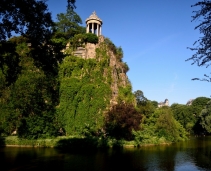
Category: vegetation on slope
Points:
column 46, row 93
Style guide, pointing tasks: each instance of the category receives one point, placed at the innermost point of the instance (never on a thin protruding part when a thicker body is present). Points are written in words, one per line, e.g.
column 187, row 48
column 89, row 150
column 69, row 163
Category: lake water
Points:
column 194, row 154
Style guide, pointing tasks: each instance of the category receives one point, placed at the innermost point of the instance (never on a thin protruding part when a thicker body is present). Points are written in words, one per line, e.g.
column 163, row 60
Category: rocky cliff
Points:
column 117, row 66
column 92, row 79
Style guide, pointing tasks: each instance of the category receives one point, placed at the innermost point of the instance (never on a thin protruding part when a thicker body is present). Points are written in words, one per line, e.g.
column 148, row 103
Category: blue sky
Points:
column 154, row 36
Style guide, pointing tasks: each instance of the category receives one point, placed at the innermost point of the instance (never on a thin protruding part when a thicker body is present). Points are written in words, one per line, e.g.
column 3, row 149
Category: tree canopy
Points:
column 25, row 17
column 139, row 95
column 71, row 4
column 28, row 18
column 205, row 117
column 121, row 120
column 69, row 24
column 202, row 49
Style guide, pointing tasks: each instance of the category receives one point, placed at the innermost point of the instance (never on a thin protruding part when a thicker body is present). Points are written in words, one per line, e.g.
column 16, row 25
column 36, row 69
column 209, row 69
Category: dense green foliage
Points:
column 205, row 117
column 189, row 116
column 116, row 50
column 140, row 99
column 125, row 95
column 158, row 124
column 160, row 127
column 27, row 102
column 26, row 17
column 91, row 38
column 185, row 115
column 144, row 106
column 79, row 40
column 84, row 94
column 45, row 92
column 68, row 25
column 121, row 120
column 199, row 104
column 27, row 70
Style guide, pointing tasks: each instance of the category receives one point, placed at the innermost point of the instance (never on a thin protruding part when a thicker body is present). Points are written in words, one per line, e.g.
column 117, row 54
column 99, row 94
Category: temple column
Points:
column 97, row 29
column 100, row 30
column 87, row 30
column 93, row 28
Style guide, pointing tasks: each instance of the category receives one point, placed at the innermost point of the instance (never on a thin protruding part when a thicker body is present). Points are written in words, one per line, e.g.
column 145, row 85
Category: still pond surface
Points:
column 192, row 155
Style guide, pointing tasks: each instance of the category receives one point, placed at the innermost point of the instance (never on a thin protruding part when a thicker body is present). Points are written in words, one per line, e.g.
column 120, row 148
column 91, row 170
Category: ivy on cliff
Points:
column 84, row 94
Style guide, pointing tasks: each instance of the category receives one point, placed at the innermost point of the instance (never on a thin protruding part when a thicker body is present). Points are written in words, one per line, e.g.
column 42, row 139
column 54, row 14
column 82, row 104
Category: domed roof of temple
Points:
column 94, row 16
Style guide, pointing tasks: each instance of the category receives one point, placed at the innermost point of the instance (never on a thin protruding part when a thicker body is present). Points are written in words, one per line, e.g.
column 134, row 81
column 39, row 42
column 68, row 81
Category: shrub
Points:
column 91, row 38
column 125, row 67
column 110, row 45
column 121, row 120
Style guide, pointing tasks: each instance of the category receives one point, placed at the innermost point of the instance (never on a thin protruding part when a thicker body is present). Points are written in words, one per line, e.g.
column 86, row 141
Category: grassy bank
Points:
column 15, row 141
column 70, row 143
column 60, row 142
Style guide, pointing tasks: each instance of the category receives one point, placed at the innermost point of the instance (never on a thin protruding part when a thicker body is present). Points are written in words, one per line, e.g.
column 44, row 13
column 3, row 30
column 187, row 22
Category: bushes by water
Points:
column 160, row 127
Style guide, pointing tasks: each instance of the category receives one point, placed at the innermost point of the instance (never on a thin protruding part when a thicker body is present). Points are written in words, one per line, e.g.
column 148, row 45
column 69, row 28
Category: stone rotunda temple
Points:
column 94, row 24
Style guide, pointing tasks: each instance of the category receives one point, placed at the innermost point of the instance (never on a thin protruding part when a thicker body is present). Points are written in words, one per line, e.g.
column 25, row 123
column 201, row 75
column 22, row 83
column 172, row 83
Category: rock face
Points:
column 118, row 71
column 119, row 77
column 189, row 103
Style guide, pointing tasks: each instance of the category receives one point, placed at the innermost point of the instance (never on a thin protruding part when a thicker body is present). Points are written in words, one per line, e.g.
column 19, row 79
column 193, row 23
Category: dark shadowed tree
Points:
column 121, row 120
column 202, row 47
column 139, row 95
column 28, row 95
column 31, row 20
column 144, row 106
column 25, row 17
column 71, row 4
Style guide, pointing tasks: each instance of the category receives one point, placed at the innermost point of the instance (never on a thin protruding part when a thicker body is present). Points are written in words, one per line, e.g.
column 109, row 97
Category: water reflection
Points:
column 194, row 154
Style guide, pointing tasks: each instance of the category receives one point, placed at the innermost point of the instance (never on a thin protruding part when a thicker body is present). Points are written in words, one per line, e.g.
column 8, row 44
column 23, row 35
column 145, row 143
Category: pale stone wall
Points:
column 80, row 52
column 90, row 50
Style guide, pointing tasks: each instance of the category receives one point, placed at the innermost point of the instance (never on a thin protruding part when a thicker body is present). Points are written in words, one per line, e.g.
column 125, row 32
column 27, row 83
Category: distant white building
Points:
column 165, row 103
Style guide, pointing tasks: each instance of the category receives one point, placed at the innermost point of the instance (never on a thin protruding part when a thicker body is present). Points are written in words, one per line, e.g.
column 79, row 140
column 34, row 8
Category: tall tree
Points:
column 68, row 24
column 185, row 115
column 27, row 105
column 202, row 49
column 30, row 19
column 71, row 4
column 139, row 95
column 25, row 17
